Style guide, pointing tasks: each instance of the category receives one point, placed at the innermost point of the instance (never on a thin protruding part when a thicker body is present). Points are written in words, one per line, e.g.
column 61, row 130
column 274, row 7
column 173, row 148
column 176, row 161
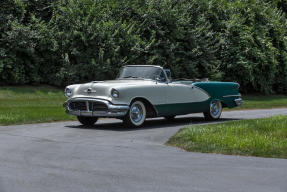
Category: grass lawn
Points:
column 33, row 104
column 29, row 104
column 263, row 102
column 260, row 137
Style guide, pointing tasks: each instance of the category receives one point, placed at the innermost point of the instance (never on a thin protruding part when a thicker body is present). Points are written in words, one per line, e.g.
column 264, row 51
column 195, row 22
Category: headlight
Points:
column 68, row 92
column 115, row 93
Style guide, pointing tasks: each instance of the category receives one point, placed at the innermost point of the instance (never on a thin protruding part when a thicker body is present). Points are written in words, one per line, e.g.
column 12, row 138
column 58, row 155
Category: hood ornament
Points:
column 89, row 90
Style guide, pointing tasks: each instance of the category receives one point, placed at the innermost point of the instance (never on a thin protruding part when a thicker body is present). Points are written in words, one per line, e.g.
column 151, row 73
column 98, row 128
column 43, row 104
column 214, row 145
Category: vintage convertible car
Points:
column 146, row 91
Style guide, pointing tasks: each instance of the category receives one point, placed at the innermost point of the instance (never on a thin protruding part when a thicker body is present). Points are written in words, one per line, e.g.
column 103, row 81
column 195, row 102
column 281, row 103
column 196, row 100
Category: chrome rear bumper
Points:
column 94, row 108
column 238, row 101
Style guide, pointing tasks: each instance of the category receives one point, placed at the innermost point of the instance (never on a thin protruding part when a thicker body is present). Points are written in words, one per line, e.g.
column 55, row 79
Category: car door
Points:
column 185, row 98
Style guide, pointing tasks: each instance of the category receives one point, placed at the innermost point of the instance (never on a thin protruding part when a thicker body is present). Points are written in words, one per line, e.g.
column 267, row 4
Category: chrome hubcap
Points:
column 136, row 113
column 215, row 108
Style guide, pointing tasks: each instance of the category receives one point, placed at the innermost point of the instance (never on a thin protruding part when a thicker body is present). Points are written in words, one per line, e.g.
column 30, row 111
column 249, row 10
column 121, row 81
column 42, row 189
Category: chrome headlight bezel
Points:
column 68, row 92
column 115, row 93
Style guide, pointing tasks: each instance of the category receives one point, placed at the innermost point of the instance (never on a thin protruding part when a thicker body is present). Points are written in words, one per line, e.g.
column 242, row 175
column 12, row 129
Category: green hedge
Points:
column 73, row 41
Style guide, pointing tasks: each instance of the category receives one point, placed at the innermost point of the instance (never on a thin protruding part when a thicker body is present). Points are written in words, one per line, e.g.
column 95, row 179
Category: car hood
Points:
column 103, row 88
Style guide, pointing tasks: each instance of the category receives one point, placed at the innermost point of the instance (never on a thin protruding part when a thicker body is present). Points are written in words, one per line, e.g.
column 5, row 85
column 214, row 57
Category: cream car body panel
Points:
column 181, row 93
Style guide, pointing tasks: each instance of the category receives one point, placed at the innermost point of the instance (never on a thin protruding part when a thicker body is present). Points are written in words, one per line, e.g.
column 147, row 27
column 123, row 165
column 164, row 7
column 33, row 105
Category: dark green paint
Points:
column 217, row 90
column 182, row 108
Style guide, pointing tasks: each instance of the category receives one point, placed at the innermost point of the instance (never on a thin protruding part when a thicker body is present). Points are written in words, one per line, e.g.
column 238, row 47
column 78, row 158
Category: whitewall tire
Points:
column 136, row 115
column 215, row 110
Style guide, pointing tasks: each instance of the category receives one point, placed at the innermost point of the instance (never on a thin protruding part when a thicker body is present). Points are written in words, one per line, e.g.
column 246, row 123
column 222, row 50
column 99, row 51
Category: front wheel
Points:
column 136, row 115
column 215, row 110
column 87, row 120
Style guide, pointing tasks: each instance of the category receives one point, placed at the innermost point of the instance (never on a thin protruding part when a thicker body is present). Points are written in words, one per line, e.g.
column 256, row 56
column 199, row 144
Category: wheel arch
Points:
column 151, row 110
column 223, row 103
column 226, row 103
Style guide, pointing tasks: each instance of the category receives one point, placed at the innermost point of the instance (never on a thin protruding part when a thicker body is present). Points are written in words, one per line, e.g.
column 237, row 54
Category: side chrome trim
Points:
column 239, row 95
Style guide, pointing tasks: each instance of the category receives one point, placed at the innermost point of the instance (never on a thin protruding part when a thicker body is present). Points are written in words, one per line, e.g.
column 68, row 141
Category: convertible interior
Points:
column 182, row 80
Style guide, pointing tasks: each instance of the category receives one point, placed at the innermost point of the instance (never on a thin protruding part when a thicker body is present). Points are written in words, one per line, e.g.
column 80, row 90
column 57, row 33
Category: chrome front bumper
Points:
column 238, row 101
column 110, row 110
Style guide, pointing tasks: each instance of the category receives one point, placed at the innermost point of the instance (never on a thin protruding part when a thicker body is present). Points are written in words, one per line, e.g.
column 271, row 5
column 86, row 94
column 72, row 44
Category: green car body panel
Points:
column 226, row 92
column 182, row 108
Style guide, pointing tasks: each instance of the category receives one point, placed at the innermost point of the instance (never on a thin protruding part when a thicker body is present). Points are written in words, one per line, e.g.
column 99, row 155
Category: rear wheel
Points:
column 215, row 110
column 136, row 115
column 87, row 120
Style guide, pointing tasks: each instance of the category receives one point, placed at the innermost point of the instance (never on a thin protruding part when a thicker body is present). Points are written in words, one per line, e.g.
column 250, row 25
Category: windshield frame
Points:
column 166, row 80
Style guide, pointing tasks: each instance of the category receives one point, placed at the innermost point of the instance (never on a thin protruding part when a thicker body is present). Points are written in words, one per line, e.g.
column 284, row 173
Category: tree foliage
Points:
column 71, row 41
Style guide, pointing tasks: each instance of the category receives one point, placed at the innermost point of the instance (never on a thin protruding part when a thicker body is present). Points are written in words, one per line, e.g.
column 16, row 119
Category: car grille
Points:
column 78, row 106
column 97, row 106
column 82, row 106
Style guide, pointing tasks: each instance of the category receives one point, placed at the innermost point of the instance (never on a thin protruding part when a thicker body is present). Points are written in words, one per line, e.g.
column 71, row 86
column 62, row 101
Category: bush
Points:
column 99, row 37
column 74, row 41
column 254, row 51
column 27, row 49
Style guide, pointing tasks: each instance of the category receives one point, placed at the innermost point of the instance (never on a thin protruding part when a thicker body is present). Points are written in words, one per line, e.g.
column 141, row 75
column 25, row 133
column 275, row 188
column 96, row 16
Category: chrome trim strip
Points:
column 232, row 95
column 86, row 91
column 158, row 66
column 87, row 106
column 97, row 114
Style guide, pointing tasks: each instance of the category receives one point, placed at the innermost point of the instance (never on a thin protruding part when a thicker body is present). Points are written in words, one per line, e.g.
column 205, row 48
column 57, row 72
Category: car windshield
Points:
column 145, row 72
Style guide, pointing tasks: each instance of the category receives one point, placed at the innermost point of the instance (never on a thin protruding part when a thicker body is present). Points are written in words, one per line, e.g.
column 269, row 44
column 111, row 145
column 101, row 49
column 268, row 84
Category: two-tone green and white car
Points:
column 146, row 91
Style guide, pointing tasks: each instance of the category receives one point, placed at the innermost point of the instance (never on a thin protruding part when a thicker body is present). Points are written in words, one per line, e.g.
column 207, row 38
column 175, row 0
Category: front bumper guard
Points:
column 112, row 110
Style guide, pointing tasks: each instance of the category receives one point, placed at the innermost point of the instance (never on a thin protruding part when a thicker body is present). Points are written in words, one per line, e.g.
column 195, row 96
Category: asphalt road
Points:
column 67, row 157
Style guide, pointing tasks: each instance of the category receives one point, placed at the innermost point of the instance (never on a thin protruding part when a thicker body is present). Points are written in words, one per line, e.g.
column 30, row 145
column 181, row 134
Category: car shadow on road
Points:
column 151, row 124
